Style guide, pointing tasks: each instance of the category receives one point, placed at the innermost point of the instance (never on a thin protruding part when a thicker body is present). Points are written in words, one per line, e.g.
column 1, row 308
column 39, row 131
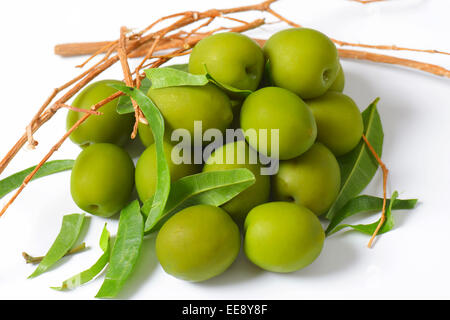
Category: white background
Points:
column 412, row 261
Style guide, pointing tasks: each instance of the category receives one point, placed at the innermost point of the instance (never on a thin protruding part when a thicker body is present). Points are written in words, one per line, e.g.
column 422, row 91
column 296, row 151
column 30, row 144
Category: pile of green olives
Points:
column 298, row 115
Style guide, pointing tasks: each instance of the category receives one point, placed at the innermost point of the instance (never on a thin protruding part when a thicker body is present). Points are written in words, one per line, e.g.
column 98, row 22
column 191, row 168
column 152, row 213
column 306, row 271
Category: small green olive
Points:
column 181, row 106
column 110, row 127
column 238, row 155
column 277, row 108
column 282, row 236
column 146, row 172
column 303, row 60
column 312, row 179
column 338, row 84
column 339, row 121
column 198, row 243
column 145, row 134
column 232, row 58
column 102, row 179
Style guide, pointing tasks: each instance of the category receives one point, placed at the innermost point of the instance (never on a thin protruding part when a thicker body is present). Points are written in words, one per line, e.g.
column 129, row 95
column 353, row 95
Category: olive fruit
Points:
column 102, row 179
column 312, row 179
column 183, row 105
column 198, row 243
column 231, row 58
column 146, row 171
column 282, row 236
column 110, row 127
column 238, row 155
column 277, row 108
column 145, row 134
column 338, row 84
column 339, row 121
column 303, row 60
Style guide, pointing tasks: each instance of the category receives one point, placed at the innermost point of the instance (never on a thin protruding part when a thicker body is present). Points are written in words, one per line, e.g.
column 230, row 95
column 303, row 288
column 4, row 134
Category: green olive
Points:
column 102, row 179
column 231, row 58
column 338, row 84
column 181, row 106
column 312, row 179
column 282, row 236
column 146, row 172
column 238, row 155
column 277, row 108
column 110, row 127
column 198, row 243
column 145, row 134
column 303, row 60
column 339, row 121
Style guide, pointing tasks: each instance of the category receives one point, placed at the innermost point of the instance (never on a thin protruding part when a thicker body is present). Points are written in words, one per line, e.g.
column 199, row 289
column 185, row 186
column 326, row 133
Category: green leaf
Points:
column 89, row 274
column 124, row 105
column 156, row 122
column 370, row 228
column 213, row 188
column 366, row 203
column 231, row 91
column 183, row 67
column 359, row 166
column 68, row 235
column 125, row 251
column 14, row 181
column 170, row 77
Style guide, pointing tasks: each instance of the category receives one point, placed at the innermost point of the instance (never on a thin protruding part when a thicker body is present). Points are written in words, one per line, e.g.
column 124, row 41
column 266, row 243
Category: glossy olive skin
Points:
column 102, row 179
column 282, row 236
column 145, row 134
column 146, row 172
column 277, row 108
column 236, row 155
column 303, row 60
column 312, row 179
column 181, row 106
column 110, row 127
column 338, row 84
column 231, row 58
column 339, row 121
column 198, row 243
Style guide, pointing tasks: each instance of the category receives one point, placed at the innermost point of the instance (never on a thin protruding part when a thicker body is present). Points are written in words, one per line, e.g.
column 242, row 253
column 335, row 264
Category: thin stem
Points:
column 385, row 176
column 31, row 259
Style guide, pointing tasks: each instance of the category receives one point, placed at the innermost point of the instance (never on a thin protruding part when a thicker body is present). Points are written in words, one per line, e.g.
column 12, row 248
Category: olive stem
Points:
column 31, row 259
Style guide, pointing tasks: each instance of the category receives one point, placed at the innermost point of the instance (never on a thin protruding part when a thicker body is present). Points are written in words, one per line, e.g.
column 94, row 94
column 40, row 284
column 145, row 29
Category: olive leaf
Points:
column 365, row 203
column 370, row 228
column 89, row 274
column 124, row 104
column 359, row 165
column 14, row 181
column 156, row 122
column 233, row 92
column 170, row 77
column 213, row 188
column 125, row 251
column 68, row 235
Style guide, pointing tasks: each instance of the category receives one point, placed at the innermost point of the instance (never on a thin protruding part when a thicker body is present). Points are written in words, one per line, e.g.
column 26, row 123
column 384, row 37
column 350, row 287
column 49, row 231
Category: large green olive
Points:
column 231, row 58
column 277, row 108
column 110, row 127
column 339, row 121
column 302, row 60
column 102, row 179
column 338, row 84
column 282, row 236
column 312, row 179
column 238, row 155
column 198, row 243
column 146, row 172
column 181, row 106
